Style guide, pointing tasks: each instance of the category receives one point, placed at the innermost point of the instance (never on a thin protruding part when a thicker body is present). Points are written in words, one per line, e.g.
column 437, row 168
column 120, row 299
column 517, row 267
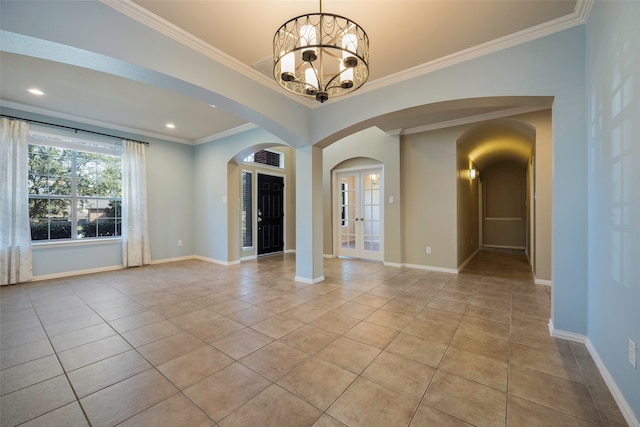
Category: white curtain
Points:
column 15, row 232
column 135, row 232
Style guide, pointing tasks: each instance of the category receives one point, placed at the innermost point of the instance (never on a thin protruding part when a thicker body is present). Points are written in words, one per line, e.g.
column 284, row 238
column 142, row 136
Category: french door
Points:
column 359, row 214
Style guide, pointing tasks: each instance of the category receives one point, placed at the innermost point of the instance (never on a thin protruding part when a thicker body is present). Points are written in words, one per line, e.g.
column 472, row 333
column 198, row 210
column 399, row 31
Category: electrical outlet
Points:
column 632, row 353
column 429, row 249
column 179, row 242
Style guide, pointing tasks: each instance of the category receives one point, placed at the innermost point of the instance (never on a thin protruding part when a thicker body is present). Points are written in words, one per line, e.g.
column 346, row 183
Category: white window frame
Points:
column 63, row 141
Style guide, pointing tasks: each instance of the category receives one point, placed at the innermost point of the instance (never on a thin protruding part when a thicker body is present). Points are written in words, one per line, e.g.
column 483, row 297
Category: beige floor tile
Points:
column 417, row 349
column 120, row 312
column 355, row 310
column 229, row 307
column 29, row 373
column 351, row 355
column 70, row 415
column 72, row 324
column 150, row 333
column 317, row 382
column 190, row 368
column 176, row 411
column 484, row 327
column 126, row 398
column 33, row 401
column 251, row 315
column 24, row 353
column 440, row 316
column 523, row 412
column 213, row 331
column 328, row 421
column 20, row 324
column 368, row 404
column 104, row 373
column 372, row 334
column 277, row 326
column 493, row 347
column 401, row 308
column 180, row 309
column 305, row 312
column 81, row 336
column 402, row 375
column 242, row 343
column 471, row 402
column 488, row 314
column 136, row 321
column 428, row 416
column 274, row 360
column 309, row 339
column 448, row 305
column 475, row 367
column 555, row 392
column 433, row 331
column 223, row 392
column 554, row 363
column 92, row 352
column 335, row 322
column 389, row 319
column 371, row 300
column 194, row 318
column 274, row 407
column 169, row 348
column 23, row 336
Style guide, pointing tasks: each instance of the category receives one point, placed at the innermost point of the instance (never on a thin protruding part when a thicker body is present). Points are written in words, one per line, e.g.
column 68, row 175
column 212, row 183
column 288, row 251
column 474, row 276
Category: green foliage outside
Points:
column 98, row 183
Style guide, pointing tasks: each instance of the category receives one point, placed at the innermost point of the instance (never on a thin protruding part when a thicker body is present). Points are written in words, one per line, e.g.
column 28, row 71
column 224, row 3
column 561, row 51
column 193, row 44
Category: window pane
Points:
column 50, row 218
column 97, row 185
column 247, row 210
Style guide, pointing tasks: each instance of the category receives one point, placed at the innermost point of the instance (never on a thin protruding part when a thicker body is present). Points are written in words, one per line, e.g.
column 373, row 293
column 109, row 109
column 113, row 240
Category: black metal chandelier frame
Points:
column 320, row 55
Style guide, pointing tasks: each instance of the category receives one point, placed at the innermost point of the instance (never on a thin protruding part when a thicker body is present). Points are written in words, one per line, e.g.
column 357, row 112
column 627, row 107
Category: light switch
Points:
column 390, row 199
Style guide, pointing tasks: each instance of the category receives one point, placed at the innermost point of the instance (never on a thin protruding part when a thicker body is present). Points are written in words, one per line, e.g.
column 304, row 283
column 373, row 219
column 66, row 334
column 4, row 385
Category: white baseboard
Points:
column 393, row 264
column 466, row 261
column 76, row 273
column 329, row 256
column 624, row 406
column 569, row 336
column 216, row 261
column 309, row 281
column 248, row 258
column 542, row 282
column 431, row 268
column 165, row 260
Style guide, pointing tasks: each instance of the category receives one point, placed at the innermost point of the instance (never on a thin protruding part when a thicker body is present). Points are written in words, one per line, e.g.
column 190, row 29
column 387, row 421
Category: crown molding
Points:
column 468, row 120
column 90, row 122
column 144, row 16
column 153, row 21
column 224, row 134
column 579, row 16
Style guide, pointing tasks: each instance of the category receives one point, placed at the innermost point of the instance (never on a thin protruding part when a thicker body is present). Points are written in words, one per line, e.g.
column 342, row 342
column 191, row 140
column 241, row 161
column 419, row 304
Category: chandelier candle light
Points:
column 320, row 55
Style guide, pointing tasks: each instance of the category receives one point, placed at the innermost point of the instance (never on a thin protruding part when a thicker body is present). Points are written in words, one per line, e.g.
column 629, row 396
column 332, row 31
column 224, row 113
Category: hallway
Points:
column 196, row 344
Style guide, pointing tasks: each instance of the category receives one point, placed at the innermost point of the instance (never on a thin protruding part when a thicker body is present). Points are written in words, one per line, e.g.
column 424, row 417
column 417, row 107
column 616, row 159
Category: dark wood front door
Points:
column 270, row 214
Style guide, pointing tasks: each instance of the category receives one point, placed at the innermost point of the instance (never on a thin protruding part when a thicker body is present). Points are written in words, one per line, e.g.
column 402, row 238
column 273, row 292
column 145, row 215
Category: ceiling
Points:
column 405, row 37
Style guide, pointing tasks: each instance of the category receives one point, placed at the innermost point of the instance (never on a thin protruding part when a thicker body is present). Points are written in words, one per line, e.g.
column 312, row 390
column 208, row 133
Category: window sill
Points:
column 82, row 242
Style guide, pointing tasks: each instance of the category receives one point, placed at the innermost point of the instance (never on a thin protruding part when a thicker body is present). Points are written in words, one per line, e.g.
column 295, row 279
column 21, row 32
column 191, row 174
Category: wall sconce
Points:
column 473, row 173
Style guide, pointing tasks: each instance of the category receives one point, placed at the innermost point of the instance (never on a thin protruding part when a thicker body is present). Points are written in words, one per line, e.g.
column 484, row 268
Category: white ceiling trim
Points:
column 91, row 122
column 467, row 120
column 144, row 16
column 236, row 130
column 578, row 17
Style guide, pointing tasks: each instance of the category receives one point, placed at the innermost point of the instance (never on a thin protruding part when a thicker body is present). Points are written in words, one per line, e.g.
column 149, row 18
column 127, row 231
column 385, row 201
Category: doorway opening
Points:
column 358, row 219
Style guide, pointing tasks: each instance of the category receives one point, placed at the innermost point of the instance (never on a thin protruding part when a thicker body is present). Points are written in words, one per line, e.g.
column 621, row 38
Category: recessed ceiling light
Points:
column 36, row 91
column 170, row 125
column 212, row 106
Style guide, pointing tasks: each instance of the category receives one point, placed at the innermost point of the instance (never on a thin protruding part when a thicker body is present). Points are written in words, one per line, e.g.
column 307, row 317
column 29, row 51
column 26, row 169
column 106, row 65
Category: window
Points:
column 247, row 210
column 267, row 157
column 73, row 194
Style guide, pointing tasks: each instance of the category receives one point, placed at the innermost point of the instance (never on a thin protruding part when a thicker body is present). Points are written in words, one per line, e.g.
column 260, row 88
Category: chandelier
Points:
column 320, row 55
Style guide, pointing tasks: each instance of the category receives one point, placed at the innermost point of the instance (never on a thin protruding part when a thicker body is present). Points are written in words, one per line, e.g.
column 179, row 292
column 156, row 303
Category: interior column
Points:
column 309, row 245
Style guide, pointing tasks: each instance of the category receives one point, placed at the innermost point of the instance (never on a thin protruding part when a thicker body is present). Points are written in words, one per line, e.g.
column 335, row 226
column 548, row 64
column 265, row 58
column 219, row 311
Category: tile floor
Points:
column 196, row 344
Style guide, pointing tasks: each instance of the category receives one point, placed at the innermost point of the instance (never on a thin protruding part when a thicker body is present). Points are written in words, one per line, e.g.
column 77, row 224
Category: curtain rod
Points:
column 72, row 128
